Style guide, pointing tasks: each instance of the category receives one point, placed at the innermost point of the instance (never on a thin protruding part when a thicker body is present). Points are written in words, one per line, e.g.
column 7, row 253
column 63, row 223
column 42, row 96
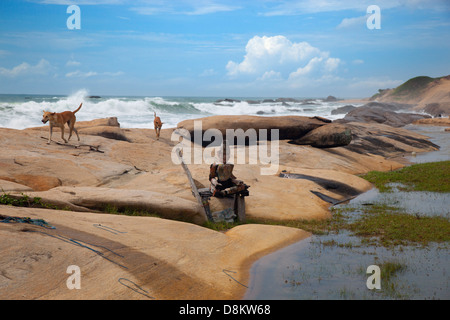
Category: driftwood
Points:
column 203, row 201
column 91, row 147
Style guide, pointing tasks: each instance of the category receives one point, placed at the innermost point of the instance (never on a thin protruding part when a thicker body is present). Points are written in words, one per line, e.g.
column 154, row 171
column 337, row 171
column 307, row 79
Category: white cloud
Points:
column 81, row 74
column 303, row 71
column 187, row 7
column 209, row 8
column 42, row 67
column 296, row 7
column 331, row 64
column 72, row 63
column 80, row 2
column 208, row 73
column 113, row 74
column 270, row 75
column 352, row 22
column 279, row 58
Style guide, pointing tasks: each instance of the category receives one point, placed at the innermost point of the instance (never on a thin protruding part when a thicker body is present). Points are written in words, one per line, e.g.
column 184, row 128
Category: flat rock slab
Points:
column 160, row 259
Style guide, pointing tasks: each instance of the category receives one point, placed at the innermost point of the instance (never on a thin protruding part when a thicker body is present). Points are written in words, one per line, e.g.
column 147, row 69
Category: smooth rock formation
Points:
column 160, row 259
column 327, row 136
column 290, row 127
column 381, row 113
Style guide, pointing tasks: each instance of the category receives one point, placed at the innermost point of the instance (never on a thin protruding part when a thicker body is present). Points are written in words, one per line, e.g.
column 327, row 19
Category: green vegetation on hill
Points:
column 409, row 89
column 413, row 87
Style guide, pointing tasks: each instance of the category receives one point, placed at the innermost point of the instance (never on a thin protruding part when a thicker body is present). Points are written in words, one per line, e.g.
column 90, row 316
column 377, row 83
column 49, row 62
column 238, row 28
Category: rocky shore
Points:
column 174, row 256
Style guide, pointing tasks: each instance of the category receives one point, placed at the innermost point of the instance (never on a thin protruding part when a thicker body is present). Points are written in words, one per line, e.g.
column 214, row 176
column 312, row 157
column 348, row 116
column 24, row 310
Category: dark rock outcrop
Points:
column 290, row 127
column 386, row 141
column 436, row 109
column 343, row 110
column 375, row 112
column 327, row 136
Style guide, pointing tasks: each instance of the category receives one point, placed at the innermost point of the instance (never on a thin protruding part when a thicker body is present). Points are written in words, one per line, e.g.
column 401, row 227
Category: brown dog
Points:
column 158, row 124
column 59, row 120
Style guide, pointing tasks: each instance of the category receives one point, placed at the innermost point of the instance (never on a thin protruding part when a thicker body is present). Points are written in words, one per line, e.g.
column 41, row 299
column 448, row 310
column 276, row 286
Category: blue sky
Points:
column 220, row 48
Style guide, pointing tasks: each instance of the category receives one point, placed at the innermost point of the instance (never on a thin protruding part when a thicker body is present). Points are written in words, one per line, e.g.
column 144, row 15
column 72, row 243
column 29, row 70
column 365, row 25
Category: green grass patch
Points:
column 391, row 287
column 24, row 201
column 316, row 227
column 378, row 224
column 126, row 211
column 432, row 176
column 391, row 227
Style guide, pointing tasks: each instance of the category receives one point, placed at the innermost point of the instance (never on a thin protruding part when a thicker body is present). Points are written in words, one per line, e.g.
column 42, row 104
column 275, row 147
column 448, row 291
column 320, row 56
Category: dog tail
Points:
column 78, row 108
column 154, row 113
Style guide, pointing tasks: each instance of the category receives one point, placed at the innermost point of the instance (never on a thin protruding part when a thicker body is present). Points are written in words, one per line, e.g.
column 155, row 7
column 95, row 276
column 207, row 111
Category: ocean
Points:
column 24, row 111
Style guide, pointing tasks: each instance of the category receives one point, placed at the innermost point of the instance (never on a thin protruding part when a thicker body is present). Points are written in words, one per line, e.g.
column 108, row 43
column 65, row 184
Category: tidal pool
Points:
column 334, row 266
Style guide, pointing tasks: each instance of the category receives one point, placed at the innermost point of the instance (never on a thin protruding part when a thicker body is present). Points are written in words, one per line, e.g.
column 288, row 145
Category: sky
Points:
column 220, row 48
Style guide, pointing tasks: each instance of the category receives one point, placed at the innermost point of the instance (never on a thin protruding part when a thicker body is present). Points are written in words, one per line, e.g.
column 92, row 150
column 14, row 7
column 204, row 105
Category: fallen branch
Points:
column 91, row 147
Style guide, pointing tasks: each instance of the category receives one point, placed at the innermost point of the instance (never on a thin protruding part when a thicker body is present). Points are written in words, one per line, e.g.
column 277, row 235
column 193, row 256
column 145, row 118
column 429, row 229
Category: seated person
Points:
column 223, row 182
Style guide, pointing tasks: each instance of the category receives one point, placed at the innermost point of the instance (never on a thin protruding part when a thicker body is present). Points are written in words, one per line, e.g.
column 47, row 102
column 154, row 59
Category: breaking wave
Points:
column 24, row 111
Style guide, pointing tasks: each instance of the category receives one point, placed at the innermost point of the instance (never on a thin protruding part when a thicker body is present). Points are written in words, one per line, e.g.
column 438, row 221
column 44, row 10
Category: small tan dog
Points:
column 59, row 120
column 158, row 124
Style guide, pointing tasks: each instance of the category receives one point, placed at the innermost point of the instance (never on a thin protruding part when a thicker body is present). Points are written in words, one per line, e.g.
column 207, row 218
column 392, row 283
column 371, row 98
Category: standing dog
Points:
column 59, row 120
column 158, row 124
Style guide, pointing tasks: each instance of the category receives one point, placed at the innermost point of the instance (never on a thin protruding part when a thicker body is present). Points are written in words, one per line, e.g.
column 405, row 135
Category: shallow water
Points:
column 312, row 269
column 414, row 202
column 437, row 136
column 334, row 266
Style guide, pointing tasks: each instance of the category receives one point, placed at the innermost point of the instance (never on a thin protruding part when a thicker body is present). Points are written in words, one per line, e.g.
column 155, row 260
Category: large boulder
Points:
column 386, row 141
column 330, row 99
column 108, row 132
column 327, row 136
column 290, row 127
column 343, row 110
column 105, row 127
column 438, row 109
column 385, row 113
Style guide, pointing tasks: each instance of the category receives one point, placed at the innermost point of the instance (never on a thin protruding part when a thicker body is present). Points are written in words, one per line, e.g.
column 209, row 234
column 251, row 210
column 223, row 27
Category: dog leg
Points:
column 76, row 131
column 70, row 129
column 50, row 132
column 62, row 134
